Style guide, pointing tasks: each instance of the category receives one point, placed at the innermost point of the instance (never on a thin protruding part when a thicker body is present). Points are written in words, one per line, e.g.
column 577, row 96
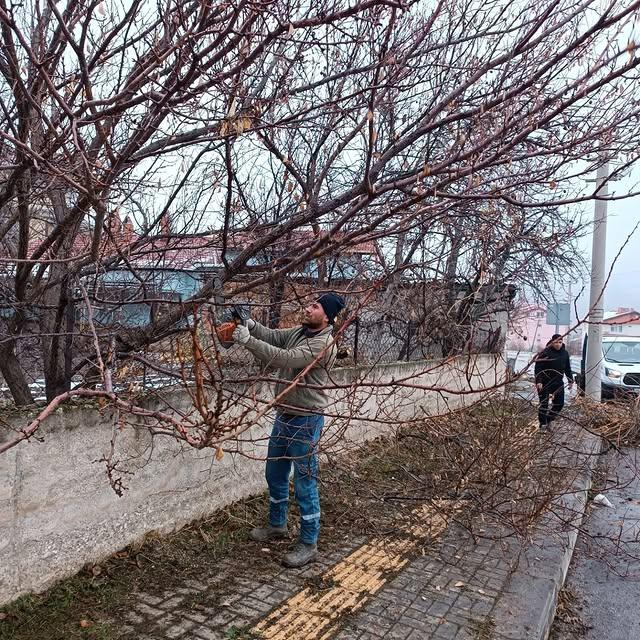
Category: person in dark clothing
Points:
column 552, row 363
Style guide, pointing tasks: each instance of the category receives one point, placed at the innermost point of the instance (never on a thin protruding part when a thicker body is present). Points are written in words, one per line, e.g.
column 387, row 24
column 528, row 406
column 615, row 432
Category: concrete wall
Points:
column 58, row 511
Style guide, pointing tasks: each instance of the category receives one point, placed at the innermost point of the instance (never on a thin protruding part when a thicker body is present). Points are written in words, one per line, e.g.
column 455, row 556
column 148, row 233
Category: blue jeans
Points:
column 294, row 440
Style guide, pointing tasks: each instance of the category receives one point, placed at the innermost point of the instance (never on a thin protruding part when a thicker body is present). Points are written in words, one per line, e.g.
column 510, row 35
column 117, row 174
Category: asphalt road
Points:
column 604, row 576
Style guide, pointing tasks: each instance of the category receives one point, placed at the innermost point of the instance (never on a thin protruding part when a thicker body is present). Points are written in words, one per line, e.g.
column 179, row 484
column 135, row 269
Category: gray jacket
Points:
column 290, row 351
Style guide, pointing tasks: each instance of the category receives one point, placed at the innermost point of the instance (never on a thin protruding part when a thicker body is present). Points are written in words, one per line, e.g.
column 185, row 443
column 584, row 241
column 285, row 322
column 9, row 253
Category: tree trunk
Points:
column 321, row 262
column 52, row 328
column 14, row 375
column 275, row 308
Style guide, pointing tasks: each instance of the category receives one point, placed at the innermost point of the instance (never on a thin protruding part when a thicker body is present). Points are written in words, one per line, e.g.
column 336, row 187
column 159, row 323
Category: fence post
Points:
column 144, row 370
column 408, row 345
column 355, row 339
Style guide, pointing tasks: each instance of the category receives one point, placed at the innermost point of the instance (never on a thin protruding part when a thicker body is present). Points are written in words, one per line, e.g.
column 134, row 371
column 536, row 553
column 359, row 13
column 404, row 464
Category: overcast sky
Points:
column 623, row 289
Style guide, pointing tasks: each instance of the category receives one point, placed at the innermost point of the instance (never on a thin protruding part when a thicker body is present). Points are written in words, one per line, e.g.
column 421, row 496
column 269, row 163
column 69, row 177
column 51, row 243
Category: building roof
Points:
column 185, row 251
column 621, row 316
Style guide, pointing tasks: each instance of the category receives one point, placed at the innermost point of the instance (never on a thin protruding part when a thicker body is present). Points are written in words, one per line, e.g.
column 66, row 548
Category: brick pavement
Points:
column 222, row 606
column 447, row 593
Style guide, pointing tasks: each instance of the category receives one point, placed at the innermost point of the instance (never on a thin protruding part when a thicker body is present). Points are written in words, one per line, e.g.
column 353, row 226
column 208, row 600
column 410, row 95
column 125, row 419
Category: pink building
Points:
column 528, row 328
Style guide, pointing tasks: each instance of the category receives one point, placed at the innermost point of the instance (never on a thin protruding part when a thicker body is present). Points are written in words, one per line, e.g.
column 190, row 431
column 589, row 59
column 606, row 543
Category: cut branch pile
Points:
column 490, row 457
column 617, row 422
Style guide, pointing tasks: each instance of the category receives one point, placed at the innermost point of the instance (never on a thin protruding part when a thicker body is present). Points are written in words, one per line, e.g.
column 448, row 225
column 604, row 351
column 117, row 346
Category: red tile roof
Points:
column 181, row 251
column 628, row 317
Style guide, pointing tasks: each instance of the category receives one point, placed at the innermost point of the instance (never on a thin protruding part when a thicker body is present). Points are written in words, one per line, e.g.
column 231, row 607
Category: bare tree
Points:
column 453, row 135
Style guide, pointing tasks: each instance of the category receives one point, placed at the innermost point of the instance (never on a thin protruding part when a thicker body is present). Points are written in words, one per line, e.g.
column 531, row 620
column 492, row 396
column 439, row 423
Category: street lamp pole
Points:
column 593, row 384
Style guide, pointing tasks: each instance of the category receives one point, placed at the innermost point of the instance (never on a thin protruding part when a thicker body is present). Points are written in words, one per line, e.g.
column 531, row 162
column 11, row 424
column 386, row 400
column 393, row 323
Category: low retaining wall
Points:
column 58, row 512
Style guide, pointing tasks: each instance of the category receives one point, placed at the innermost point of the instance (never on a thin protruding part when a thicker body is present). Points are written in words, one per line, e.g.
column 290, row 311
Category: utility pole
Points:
column 593, row 384
column 570, row 302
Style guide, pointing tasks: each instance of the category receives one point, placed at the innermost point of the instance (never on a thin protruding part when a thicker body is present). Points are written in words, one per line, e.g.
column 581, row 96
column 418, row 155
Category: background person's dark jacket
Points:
column 551, row 365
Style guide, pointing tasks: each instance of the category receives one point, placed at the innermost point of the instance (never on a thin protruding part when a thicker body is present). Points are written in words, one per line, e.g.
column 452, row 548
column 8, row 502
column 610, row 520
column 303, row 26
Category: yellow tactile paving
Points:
column 313, row 615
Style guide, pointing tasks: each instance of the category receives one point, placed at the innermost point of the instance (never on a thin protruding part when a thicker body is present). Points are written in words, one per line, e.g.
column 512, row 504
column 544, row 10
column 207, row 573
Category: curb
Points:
column 526, row 609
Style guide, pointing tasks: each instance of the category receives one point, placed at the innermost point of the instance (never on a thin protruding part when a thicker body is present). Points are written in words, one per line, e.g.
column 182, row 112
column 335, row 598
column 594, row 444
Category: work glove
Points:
column 241, row 335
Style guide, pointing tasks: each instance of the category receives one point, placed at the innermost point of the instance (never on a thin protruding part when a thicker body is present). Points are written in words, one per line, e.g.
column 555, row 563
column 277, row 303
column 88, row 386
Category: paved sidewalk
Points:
column 433, row 581
column 449, row 592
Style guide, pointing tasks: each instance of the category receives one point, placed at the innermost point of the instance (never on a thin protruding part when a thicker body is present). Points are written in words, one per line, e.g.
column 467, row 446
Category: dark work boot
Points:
column 302, row 554
column 264, row 534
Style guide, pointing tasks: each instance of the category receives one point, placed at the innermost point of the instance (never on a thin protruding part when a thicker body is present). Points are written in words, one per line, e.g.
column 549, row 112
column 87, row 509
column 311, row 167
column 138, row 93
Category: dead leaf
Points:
column 459, row 584
column 96, row 570
column 85, row 624
column 242, row 124
column 219, row 454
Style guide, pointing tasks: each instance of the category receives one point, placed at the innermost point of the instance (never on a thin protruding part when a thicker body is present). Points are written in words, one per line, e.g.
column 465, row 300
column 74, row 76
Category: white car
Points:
column 620, row 370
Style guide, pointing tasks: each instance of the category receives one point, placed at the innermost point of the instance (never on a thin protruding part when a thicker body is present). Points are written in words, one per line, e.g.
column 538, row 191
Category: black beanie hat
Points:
column 332, row 305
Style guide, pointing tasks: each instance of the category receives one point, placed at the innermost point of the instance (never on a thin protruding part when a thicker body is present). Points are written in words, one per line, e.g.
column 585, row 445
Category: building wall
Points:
column 58, row 512
column 534, row 326
column 631, row 330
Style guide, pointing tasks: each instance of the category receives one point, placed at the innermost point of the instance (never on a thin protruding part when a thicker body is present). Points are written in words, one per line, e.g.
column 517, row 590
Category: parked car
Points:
column 619, row 368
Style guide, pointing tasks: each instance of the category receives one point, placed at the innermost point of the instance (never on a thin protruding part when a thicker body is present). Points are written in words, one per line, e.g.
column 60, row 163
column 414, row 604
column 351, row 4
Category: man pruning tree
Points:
column 299, row 418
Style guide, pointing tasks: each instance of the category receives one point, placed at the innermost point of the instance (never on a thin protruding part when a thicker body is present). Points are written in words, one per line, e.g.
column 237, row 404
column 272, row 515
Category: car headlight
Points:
column 612, row 373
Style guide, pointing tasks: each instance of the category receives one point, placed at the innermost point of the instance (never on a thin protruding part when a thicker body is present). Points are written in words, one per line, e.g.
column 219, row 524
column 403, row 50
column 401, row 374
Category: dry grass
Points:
column 568, row 624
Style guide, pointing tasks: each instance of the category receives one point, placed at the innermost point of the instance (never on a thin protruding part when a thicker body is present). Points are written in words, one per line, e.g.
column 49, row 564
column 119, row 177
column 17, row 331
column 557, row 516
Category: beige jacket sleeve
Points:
column 275, row 337
column 298, row 357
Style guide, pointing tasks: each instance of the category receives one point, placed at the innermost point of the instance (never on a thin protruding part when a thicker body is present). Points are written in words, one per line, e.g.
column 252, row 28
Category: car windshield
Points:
column 621, row 351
